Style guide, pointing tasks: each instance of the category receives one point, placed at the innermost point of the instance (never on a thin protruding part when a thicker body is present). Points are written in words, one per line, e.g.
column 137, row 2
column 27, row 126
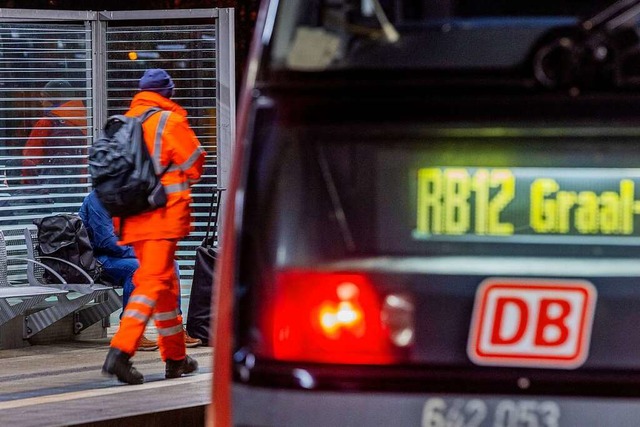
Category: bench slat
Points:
column 28, row 291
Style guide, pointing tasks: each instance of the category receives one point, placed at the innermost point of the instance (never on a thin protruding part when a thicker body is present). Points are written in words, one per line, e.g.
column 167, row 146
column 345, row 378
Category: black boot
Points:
column 177, row 368
column 118, row 364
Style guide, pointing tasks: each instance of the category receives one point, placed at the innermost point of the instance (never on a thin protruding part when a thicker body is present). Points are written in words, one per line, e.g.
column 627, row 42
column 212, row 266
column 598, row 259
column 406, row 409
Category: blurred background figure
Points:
column 58, row 137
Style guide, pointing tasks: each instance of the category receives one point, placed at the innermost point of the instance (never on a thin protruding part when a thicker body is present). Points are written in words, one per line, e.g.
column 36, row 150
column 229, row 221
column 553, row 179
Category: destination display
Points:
column 525, row 201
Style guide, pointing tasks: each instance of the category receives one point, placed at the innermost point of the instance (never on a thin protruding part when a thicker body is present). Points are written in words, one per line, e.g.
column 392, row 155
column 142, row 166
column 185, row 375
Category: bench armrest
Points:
column 46, row 267
column 81, row 271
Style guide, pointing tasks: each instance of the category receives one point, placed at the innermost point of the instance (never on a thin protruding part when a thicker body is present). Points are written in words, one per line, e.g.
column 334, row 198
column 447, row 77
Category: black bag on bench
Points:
column 63, row 236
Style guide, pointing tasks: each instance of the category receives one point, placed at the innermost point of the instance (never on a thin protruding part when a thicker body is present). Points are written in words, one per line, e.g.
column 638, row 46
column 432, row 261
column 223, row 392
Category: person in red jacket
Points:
column 154, row 235
column 56, row 138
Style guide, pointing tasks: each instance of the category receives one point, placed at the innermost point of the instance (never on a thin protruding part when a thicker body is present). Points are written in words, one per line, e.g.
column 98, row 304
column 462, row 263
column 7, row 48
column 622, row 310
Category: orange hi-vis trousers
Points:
column 155, row 293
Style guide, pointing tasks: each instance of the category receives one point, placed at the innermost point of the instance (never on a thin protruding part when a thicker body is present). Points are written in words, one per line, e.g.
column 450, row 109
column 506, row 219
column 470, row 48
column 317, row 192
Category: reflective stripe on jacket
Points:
column 178, row 146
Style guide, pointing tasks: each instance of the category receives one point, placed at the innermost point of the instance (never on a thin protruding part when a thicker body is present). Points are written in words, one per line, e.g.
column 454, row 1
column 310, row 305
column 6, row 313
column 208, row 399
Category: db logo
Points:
column 532, row 323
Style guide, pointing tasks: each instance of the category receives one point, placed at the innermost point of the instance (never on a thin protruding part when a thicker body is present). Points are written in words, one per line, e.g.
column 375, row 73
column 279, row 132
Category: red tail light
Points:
column 327, row 317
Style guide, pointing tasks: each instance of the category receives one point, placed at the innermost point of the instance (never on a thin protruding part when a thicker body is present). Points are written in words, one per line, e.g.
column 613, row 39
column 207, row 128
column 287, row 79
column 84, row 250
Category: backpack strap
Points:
column 148, row 113
column 157, row 140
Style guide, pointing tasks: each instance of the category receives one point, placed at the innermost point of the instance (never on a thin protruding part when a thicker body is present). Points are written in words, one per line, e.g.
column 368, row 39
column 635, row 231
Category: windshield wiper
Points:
column 336, row 202
column 619, row 13
column 389, row 31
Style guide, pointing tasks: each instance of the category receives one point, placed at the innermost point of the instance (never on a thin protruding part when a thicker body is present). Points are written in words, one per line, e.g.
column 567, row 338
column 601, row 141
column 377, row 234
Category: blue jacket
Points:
column 100, row 228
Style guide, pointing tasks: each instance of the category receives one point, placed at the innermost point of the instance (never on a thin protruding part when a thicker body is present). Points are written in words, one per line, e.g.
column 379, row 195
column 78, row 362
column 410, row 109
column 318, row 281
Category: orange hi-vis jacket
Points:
column 171, row 142
column 72, row 113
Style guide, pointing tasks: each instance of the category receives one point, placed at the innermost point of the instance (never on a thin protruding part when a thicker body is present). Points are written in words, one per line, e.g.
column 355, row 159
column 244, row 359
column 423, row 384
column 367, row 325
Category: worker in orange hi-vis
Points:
column 154, row 235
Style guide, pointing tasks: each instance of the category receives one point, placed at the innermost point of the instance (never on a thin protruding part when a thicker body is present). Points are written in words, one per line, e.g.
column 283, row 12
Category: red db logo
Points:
column 532, row 323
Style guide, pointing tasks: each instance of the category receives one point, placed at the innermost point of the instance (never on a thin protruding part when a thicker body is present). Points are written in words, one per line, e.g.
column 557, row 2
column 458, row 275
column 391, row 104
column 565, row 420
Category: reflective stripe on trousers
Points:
column 156, row 290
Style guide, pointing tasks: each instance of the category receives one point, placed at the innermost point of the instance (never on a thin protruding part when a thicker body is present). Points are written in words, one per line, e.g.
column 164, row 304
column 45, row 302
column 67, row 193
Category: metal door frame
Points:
column 225, row 64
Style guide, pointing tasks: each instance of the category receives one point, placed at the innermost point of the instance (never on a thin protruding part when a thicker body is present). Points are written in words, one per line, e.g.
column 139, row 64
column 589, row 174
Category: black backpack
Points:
column 63, row 148
column 64, row 236
column 65, row 139
column 122, row 169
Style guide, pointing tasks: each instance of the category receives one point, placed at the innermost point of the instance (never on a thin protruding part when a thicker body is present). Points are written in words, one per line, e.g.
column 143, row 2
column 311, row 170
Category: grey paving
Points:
column 61, row 384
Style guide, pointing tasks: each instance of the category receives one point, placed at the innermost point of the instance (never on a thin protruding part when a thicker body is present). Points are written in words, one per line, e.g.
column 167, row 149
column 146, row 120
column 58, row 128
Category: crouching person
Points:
column 154, row 235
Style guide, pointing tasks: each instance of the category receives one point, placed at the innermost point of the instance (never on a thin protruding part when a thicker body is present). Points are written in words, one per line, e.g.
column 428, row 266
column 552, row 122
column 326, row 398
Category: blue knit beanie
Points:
column 157, row 80
column 60, row 89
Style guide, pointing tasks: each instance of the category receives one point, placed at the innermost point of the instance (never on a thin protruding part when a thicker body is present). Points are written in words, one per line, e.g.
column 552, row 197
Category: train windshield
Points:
column 552, row 44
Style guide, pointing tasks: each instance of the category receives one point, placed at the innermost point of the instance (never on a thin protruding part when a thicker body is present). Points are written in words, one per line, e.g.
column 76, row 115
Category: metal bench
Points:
column 16, row 300
column 89, row 302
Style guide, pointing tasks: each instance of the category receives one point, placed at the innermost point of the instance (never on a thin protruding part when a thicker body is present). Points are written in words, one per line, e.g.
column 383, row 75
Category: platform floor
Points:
column 61, row 385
